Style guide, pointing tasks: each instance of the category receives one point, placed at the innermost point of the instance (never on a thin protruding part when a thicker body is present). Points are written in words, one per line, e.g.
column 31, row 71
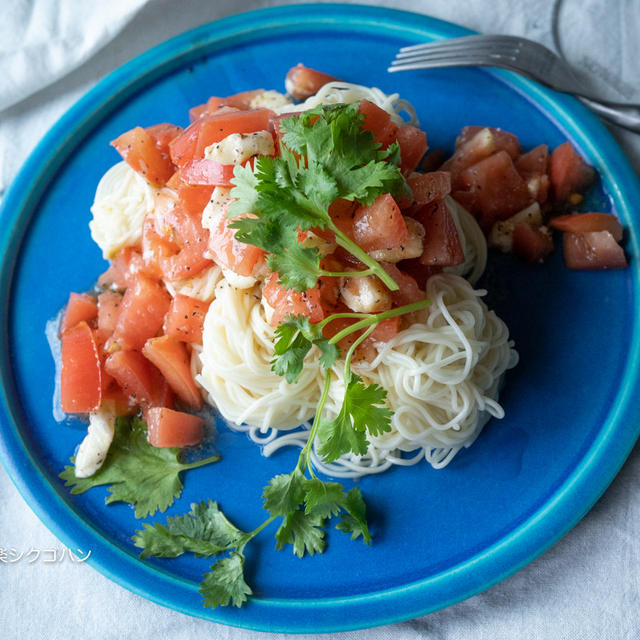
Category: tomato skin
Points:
column 206, row 172
column 302, row 82
column 568, row 172
column 380, row 225
column 163, row 134
column 592, row 250
column 442, row 246
column 138, row 148
column 81, row 373
column 531, row 243
column 124, row 269
column 142, row 312
column 413, row 146
column 172, row 359
column 408, row 291
column 583, row 222
column 185, row 319
column 194, row 198
column 169, row 428
column 81, row 306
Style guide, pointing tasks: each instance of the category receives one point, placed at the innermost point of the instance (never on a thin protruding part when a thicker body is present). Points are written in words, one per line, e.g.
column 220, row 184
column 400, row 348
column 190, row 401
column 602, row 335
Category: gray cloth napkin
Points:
column 587, row 586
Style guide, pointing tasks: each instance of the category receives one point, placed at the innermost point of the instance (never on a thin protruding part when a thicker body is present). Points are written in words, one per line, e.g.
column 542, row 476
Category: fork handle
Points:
column 626, row 116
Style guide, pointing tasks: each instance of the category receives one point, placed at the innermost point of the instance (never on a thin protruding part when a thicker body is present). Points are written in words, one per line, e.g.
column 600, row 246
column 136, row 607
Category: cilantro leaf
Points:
column 295, row 336
column 298, row 267
column 323, row 498
column 359, row 414
column 204, row 530
column 303, row 531
column 146, row 477
column 225, row 582
column 284, row 493
column 354, row 521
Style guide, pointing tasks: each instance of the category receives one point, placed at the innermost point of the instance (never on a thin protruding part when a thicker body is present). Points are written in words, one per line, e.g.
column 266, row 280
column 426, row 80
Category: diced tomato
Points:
column 142, row 312
column 163, row 134
column 531, row 243
column 343, row 213
column 466, row 199
column 592, row 250
column 174, row 241
column 81, row 307
column 134, row 374
column 502, row 140
column 172, row 359
column 408, row 291
column 380, row 225
column 476, row 144
column 124, row 269
column 108, row 309
column 425, row 188
column 116, row 400
column 379, row 122
column 583, row 222
column 385, row 330
column 499, row 190
column 302, row 82
column 228, row 252
column 532, row 166
column 206, row 172
column 413, row 145
column 194, row 198
column 140, row 151
column 169, row 428
column 286, row 302
column 185, row 319
column 568, row 172
column 211, row 106
column 442, row 246
column 81, row 373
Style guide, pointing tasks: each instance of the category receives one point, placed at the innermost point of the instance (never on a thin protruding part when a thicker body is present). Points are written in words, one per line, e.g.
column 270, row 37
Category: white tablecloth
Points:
column 586, row 587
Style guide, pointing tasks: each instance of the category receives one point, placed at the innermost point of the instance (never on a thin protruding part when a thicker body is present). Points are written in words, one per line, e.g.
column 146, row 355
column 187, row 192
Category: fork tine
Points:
column 458, row 62
column 478, row 48
column 490, row 39
column 443, row 55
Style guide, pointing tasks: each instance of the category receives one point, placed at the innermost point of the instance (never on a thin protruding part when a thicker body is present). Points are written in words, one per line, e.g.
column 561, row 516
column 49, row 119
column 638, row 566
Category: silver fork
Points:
column 515, row 54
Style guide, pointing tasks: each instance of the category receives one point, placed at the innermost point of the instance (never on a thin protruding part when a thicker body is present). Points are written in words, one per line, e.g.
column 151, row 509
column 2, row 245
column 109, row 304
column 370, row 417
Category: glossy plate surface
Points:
column 440, row 536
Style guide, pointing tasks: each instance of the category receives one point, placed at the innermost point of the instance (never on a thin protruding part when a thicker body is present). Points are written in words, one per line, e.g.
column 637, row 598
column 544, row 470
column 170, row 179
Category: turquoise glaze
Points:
column 440, row 536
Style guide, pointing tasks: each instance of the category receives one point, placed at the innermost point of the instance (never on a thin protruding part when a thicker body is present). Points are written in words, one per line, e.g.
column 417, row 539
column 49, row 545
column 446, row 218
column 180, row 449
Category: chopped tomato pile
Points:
column 129, row 347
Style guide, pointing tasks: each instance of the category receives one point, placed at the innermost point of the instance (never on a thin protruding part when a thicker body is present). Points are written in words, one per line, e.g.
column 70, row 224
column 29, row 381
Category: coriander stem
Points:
column 347, row 274
column 257, row 530
column 346, row 243
column 306, row 451
column 357, row 342
column 379, row 317
column 200, row 463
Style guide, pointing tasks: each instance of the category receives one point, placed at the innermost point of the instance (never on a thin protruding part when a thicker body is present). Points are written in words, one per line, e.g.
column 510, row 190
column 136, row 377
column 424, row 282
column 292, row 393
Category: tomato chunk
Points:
column 592, row 250
column 163, row 134
column 140, row 151
column 134, row 374
column 379, row 122
column 425, row 188
column 502, row 140
column 81, row 374
column 408, row 291
column 568, row 172
column 442, row 246
column 172, row 359
column 206, row 172
column 81, row 306
column 142, row 312
column 185, row 319
column 108, row 309
column 413, row 145
column 380, row 225
column 124, row 269
column 531, row 243
column 302, row 82
column 169, row 428
column 498, row 188
column 583, row 222
column 286, row 302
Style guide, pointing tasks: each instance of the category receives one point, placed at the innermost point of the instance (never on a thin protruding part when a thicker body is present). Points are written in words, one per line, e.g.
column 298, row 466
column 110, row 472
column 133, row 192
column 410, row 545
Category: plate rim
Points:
column 575, row 496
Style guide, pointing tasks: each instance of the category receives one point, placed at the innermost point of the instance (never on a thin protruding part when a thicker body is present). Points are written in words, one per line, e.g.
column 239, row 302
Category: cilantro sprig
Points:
column 326, row 154
column 146, row 477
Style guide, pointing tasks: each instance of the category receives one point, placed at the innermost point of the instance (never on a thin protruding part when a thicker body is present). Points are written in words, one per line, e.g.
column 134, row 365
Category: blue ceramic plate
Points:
column 440, row 536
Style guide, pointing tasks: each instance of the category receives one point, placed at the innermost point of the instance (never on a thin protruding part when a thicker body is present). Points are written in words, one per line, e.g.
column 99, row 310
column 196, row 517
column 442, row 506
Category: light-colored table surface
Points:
column 586, row 587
